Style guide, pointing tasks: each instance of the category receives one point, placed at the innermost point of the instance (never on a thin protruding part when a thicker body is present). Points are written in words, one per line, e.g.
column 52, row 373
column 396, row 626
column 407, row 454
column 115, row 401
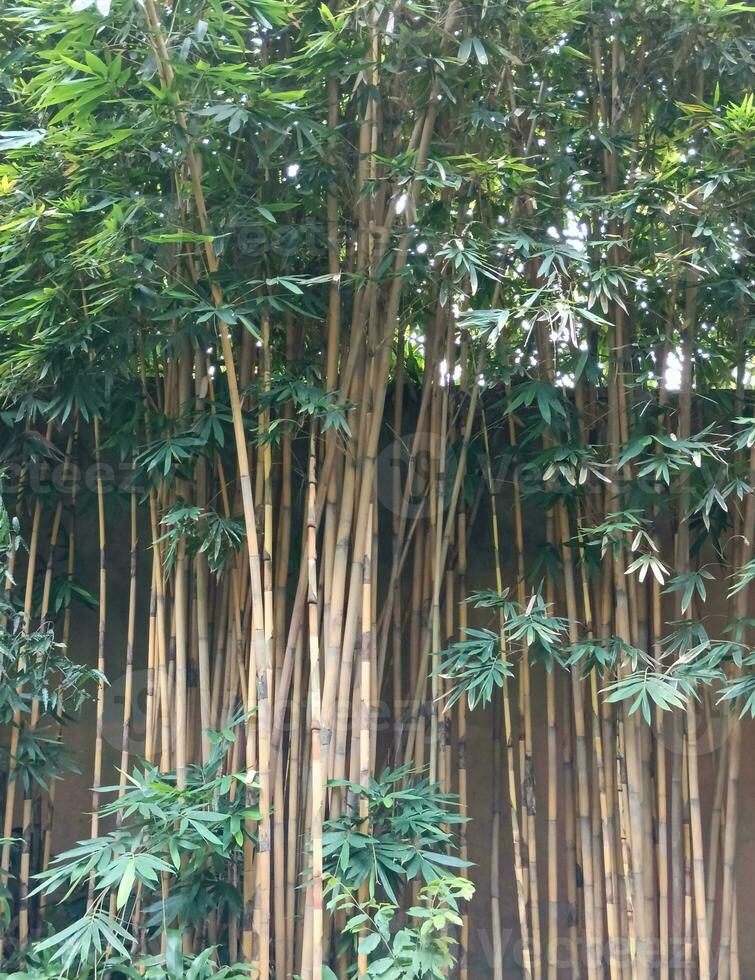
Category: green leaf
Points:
column 369, row 943
column 126, row 884
column 15, row 139
column 479, row 51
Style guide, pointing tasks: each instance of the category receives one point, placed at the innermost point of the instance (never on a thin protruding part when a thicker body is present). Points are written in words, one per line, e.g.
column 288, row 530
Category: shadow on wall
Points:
column 74, row 796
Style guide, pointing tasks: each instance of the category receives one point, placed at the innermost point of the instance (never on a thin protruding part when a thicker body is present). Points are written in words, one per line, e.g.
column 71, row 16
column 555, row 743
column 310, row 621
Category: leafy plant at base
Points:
column 190, row 837
column 406, row 834
column 41, row 688
column 419, row 946
column 172, row 965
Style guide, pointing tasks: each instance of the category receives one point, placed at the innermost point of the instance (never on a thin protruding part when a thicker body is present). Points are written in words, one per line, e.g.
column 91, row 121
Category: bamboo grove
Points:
column 410, row 346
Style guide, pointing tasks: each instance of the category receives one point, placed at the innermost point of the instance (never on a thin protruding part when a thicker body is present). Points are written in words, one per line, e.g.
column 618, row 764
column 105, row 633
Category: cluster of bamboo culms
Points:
column 640, row 877
column 637, row 879
column 353, row 575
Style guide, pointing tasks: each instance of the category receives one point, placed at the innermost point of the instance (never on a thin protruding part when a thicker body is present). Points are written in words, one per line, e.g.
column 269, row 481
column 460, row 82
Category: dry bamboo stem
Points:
column 609, row 878
column 507, row 727
column 130, row 636
column 552, row 949
column 101, row 624
column 728, row 892
column 23, row 912
column 527, row 774
column 585, row 834
column 315, row 789
column 257, row 947
column 461, row 744
column 365, row 702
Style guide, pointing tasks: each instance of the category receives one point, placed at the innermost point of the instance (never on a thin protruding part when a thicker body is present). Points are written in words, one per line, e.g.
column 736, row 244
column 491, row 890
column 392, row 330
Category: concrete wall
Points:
column 74, row 797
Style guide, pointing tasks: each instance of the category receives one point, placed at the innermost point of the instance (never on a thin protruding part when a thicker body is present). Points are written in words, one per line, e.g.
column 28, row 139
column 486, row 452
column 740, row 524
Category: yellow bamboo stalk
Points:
column 315, row 790
column 257, row 947
column 461, row 745
column 583, row 803
column 612, row 918
column 101, row 625
column 23, row 907
column 552, row 949
column 507, row 726
column 365, row 704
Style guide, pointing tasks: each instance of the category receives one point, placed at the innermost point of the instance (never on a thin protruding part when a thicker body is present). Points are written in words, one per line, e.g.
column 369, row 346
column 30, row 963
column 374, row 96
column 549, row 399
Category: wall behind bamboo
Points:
column 74, row 795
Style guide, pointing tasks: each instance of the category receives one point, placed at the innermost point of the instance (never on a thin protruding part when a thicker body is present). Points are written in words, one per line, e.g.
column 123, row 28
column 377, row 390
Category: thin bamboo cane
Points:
column 630, row 764
column 698, row 864
column 688, row 894
column 715, row 835
column 28, row 835
column 507, row 726
column 181, row 630
column 396, row 499
column 130, row 637
column 23, row 898
column 284, row 874
column 260, row 954
column 295, row 769
column 677, row 847
column 314, row 709
column 585, row 834
column 626, row 859
column 735, row 973
column 597, row 863
column 461, row 746
column 495, row 845
column 527, row 769
column 570, row 835
column 682, row 566
column 437, row 501
column 552, row 945
column 70, row 567
column 264, row 687
column 365, row 704
column 158, row 589
column 728, row 892
column 101, row 626
column 201, row 579
column 612, row 919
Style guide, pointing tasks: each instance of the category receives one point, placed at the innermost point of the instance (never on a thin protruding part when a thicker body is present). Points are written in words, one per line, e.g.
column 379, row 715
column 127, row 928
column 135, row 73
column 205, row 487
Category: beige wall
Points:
column 74, row 796
column 480, row 778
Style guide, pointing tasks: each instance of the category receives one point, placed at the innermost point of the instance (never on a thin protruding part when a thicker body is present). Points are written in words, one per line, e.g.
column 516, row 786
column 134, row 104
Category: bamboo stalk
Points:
column 257, row 947
column 23, row 899
column 130, row 637
column 495, row 845
column 585, row 834
column 461, row 746
column 295, row 764
column 365, row 703
column 552, row 951
column 101, row 627
column 507, row 727
column 607, row 841
column 527, row 773
column 315, row 790
column 728, row 892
